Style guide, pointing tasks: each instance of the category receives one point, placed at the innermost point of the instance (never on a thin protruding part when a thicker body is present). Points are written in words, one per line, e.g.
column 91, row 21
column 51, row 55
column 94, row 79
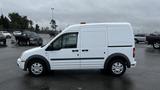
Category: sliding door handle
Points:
column 85, row 50
column 74, row 50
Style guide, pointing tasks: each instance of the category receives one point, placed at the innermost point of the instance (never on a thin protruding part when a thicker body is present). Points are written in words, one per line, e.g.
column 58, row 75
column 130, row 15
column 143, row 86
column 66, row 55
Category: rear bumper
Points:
column 20, row 63
column 133, row 64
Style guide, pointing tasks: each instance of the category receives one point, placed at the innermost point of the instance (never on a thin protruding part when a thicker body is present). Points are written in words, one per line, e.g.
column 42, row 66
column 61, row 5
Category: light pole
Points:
column 1, row 12
column 52, row 12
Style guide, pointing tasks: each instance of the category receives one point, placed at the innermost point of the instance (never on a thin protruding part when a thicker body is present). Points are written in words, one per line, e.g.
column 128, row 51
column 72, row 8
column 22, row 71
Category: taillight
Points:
column 134, row 50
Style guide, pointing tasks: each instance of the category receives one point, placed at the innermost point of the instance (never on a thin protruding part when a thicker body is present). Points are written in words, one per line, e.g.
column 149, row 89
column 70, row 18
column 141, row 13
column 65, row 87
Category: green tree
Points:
column 4, row 22
column 15, row 20
column 53, row 24
column 1, row 22
column 37, row 28
column 19, row 22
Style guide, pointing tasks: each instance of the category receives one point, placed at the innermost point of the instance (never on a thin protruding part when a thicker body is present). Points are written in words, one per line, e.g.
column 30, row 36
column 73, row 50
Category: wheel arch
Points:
column 117, row 55
column 39, row 57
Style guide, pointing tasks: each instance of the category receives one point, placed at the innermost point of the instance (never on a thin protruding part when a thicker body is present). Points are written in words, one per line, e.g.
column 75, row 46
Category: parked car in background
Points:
column 29, row 38
column 6, row 34
column 17, row 33
column 154, row 40
column 139, row 38
column 2, row 39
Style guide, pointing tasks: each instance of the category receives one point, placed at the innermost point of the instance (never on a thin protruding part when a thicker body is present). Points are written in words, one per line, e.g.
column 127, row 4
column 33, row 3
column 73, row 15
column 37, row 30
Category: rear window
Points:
column 5, row 32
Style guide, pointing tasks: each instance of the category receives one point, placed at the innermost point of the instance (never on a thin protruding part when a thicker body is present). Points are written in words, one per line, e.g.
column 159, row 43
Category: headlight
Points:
column 21, row 55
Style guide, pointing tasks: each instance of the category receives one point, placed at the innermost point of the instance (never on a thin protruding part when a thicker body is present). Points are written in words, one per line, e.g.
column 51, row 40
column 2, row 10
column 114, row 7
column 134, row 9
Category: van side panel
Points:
column 93, row 39
column 119, row 34
column 121, row 40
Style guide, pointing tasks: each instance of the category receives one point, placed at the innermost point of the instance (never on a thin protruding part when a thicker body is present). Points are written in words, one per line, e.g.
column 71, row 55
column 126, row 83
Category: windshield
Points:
column 31, row 34
column 5, row 32
column 34, row 34
column 17, row 32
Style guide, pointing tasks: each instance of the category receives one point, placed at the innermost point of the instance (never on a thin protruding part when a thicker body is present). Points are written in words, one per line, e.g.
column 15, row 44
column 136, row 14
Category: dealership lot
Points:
column 145, row 76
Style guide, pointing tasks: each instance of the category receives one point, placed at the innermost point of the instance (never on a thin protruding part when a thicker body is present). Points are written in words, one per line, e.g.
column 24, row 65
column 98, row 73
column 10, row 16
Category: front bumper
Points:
column 20, row 63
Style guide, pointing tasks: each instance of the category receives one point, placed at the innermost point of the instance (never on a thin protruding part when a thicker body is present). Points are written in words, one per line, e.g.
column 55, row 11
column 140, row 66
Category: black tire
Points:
column 4, row 42
column 156, row 45
column 37, row 68
column 120, row 68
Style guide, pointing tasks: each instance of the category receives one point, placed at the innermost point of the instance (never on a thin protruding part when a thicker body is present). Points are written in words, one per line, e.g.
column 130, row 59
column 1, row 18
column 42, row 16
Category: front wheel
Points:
column 156, row 45
column 117, row 67
column 37, row 68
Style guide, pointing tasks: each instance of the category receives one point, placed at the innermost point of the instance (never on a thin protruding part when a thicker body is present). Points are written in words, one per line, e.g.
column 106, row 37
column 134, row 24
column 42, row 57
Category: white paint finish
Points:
column 93, row 39
column 64, row 53
column 120, row 35
column 92, row 64
column 127, row 51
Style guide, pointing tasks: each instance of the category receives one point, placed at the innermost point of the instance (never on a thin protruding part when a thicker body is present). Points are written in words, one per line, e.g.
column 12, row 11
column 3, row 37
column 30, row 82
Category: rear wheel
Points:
column 117, row 67
column 156, row 45
column 37, row 68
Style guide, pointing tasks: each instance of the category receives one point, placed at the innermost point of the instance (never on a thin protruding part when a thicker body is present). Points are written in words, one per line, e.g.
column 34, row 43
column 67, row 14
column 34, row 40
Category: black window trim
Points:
column 70, row 33
column 61, row 36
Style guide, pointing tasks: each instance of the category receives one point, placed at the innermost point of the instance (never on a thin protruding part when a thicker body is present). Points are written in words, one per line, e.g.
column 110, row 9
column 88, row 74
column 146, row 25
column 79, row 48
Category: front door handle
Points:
column 74, row 50
column 85, row 50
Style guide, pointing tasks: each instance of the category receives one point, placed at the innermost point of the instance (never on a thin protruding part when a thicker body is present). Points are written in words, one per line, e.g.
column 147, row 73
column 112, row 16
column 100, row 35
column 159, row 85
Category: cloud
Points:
column 144, row 15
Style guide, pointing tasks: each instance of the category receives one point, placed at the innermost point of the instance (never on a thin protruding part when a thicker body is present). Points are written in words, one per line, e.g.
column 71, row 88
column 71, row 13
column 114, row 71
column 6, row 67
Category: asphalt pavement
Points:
column 145, row 76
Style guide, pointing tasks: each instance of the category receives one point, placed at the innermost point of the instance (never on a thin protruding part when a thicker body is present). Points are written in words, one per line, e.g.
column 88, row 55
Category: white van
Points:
column 106, row 46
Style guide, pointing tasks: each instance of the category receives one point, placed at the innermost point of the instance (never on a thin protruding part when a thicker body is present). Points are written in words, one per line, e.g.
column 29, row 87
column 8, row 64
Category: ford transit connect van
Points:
column 106, row 46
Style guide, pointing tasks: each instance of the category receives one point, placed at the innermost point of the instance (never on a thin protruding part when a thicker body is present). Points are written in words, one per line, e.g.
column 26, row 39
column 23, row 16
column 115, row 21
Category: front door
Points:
column 64, row 52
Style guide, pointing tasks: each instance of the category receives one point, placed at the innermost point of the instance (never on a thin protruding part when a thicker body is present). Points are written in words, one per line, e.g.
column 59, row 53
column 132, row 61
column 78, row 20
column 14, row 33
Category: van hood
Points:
column 34, row 51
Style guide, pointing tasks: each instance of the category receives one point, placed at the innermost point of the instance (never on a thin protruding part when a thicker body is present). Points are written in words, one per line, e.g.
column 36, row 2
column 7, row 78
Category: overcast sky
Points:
column 144, row 15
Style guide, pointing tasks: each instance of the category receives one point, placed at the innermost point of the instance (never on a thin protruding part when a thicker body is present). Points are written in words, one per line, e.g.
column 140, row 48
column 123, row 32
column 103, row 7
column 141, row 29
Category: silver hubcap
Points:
column 36, row 68
column 117, row 68
column 156, row 45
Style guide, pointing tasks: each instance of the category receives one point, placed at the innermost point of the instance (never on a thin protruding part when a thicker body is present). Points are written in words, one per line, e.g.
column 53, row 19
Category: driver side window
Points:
column 68, row 40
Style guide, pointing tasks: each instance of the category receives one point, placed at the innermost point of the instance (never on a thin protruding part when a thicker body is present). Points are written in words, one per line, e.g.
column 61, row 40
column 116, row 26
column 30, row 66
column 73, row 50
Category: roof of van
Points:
column 111, row 23
column 97, row 24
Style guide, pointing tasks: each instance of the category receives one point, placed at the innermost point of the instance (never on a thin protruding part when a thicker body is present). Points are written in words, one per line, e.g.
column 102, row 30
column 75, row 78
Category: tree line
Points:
column 15, row 21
